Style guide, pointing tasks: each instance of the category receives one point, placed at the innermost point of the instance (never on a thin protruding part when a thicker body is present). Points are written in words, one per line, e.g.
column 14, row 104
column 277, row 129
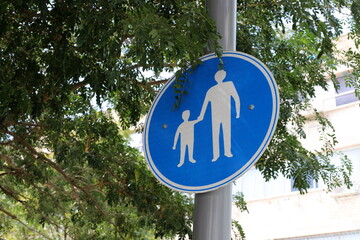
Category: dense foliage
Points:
column 296, row 39
column 72, row 77
column 66, row 170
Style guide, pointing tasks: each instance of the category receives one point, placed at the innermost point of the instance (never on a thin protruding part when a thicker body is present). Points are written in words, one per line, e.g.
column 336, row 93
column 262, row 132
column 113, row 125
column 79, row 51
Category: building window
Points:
column 345, row 94
column 313, row 184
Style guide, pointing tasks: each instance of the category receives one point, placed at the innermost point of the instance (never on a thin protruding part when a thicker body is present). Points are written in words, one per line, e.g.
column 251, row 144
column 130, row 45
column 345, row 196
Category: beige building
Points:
column 277, row 211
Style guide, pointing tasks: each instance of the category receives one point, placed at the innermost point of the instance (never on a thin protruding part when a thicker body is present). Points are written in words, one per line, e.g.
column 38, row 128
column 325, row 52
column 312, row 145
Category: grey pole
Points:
column 224, row 14
column 212, row 216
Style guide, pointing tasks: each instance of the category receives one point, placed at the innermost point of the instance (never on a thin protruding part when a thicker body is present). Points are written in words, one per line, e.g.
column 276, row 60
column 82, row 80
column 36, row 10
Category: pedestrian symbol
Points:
column 221, row 128
column 219, row 97
column 186, row 130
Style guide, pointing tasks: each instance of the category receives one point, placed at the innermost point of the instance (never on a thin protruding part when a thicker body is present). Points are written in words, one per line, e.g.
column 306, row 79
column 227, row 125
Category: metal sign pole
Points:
column 212, row 216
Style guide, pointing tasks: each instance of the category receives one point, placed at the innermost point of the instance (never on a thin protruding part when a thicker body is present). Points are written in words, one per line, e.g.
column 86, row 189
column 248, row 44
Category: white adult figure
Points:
column 219, row 97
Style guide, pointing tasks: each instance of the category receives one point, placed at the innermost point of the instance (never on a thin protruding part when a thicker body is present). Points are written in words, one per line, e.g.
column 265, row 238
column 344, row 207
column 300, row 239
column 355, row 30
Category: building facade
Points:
column 278, row 211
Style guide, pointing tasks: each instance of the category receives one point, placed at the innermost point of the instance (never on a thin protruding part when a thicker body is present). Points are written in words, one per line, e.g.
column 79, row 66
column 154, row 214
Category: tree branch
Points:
column 78, row 85
column 7, row 213
column 30, row 124
column 164, row 65
column 158, row 82
column 260, row 4
column 40, row 157
column 11, row 193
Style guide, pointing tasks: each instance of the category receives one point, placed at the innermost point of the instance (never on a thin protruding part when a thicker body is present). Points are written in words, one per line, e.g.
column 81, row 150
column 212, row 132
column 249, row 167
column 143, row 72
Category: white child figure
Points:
column 186, row 130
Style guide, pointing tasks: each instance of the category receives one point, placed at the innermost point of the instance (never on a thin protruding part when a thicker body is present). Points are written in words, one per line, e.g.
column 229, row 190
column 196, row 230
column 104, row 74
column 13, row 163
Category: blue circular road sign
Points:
column 221, row 127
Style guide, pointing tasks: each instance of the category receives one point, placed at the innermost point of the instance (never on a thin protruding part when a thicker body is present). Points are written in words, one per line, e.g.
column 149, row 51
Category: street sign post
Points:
column 212, row 212
column 221, row 128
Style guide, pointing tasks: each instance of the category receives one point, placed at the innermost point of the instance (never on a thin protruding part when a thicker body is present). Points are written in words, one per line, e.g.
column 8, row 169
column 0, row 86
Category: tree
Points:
column 66, row 67
column 296, row 40
column 66, row 170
